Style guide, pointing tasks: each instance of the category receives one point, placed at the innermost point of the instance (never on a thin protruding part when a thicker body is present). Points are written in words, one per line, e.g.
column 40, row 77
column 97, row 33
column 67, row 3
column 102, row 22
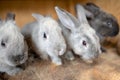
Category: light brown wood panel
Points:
column 24, row 8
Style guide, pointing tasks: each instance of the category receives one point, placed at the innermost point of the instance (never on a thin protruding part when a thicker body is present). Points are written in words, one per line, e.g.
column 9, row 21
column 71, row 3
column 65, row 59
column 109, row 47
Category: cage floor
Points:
column 106, row 67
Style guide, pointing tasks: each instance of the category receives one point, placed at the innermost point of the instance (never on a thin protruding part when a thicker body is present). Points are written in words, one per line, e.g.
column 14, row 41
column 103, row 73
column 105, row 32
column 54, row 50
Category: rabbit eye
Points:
column 3, row 44
column 108, row 22
column 44, row 35
column 84, row 43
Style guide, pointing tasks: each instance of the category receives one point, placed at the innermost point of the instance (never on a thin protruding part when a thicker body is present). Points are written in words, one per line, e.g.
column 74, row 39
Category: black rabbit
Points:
column 104, row 23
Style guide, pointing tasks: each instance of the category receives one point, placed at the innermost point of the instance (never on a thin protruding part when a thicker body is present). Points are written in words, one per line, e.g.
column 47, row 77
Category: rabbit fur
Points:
column 46, row 37
column 105, row 24
column 13, row 48
column 79, row 36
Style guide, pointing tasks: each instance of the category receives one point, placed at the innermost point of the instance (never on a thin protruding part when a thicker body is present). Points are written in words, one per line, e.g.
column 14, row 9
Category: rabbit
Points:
column 105, row 24
column 13, row 48
column 80, row 37
column 46, row 38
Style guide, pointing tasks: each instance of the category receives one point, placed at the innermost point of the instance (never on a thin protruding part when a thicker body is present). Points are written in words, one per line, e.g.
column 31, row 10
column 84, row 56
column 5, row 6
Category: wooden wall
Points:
column 24, row 8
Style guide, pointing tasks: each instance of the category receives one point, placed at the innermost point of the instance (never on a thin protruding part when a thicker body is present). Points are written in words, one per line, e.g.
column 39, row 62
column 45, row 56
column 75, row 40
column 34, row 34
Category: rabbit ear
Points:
column 92, row 5
column 88, row 14
column 10, row 16
column 0, row 20
column 38, row 17
column 92, row 8
column 81, row 14
column 69, row 21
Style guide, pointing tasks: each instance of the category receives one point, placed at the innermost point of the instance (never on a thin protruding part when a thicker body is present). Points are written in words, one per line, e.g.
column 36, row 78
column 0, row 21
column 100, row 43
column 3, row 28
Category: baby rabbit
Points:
column 80, row 37
column 46, row 36
column 13, row 48
column 105, row 24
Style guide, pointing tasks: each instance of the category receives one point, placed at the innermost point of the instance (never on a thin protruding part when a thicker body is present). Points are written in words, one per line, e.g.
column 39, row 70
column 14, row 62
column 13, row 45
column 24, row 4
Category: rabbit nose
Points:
column 60, row 49
column 19, row 58
column 115, row 32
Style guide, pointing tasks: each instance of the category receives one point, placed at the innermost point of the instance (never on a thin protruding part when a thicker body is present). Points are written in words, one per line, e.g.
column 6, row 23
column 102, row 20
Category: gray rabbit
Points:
column 13, row 48
column 105, row 24
column 46, row 38
column 80, row 37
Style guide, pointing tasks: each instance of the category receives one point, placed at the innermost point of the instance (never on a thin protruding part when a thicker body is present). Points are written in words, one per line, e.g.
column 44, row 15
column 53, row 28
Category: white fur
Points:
column 76, row 32
column 52, row 46
column 14, row 46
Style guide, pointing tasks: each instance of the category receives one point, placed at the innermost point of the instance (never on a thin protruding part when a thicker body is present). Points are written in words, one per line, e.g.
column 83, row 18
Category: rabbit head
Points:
column 50, row 38
column 105, row 24
column 13, row 48
column 80, row 37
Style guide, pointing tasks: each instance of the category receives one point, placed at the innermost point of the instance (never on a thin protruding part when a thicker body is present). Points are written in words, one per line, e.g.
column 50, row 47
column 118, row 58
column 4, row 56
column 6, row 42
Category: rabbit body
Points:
column 105, row 24
column 79, row 36
column 13, row 49
column 47, row 39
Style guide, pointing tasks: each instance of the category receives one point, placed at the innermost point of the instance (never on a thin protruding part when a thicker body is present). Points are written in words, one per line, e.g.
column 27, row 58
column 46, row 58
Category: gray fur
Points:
column 46, row 37
column 80, row 37
column 13, row 48
column 105, row 24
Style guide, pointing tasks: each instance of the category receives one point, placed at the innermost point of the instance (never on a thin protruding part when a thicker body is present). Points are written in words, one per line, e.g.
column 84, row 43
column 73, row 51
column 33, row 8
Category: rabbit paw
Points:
column 44, row 56
column 14, row 71
column 103, row 49
column 57, row 61
column 69, row 56
column 90, row 61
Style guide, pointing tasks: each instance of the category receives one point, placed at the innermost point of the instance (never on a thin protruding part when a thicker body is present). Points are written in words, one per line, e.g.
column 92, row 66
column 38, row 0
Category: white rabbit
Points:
column 79, row 36
column 13, row 49
column 46, row 36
